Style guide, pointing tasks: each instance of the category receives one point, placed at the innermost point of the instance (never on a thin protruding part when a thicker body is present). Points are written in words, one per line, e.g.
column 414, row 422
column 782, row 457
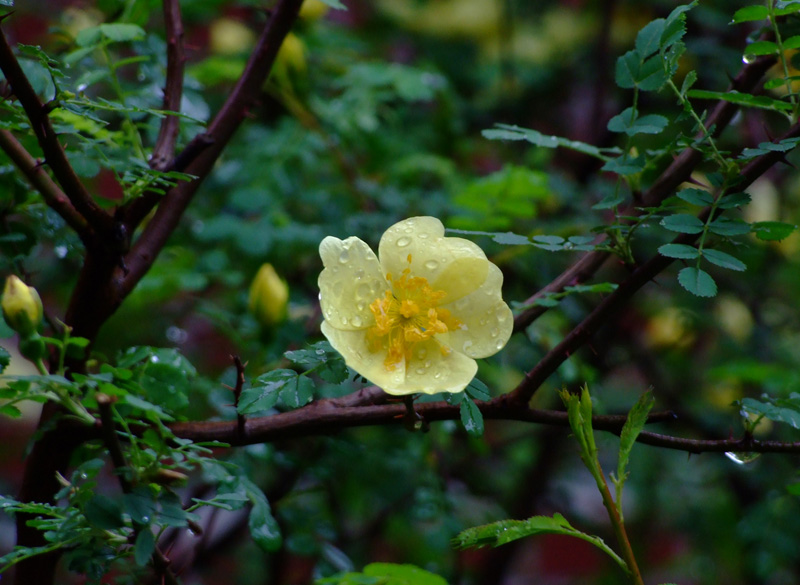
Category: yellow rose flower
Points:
column 415, row 319
column 22, row 307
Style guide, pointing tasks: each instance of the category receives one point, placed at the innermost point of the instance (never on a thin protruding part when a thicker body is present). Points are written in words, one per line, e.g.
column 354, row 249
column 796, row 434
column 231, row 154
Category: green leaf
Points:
column 772, row 230
column 264, row 391
column 783, row 410
column 625, row 164
column 393, row 574
column 742, row 99
column 697, row 282
column 733, row 200
column 115, row 33
column 298, row 394
column 478, row 390
column 471, row 417
column 792, row 42
column 647, row 75
column 634, row 424
column 648, row 40
column 683, row 223
column 697, row 197
column 723, row 226
column 323, row 359
column 625, row 122
column 680, row 251
column 551, row 243
column 263, row 527
column 104, row 513
column 509, row 132
column 750, row 13
column 724, row 260
column 761, row 48
column 144, row 547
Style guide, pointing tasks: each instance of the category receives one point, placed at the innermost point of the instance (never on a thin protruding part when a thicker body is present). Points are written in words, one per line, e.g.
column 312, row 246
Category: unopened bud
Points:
column 22, row 307
column 268, row 296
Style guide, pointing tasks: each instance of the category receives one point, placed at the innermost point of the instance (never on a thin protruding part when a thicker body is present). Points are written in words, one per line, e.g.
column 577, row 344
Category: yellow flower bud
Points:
column 268, row 296
column 22, row 307
column 313, row 10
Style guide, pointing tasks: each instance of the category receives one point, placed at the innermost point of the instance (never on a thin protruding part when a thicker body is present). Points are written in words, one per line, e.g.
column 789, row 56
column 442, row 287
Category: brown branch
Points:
column 214, row 140
column 52, row 194
column 322, row 418
column 164, row 149
column 54, row 153
column 677, row 172
column 641, row 276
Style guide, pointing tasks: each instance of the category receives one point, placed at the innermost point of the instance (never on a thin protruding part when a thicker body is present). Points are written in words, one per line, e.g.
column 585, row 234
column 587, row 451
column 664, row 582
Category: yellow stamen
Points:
column 407, row 315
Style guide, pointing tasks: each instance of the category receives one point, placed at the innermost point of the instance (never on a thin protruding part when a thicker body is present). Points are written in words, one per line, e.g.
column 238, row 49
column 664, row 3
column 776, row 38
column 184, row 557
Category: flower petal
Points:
column 430, row 369
column 433, row 368
column 454, row 265
column 355, row 350
column 487, row 322
column 352, row 279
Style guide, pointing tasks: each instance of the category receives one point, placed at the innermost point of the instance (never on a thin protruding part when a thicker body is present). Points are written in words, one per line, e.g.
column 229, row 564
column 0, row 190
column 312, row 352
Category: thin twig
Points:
column 237, row 393
column 164, row 149
column 52, row 194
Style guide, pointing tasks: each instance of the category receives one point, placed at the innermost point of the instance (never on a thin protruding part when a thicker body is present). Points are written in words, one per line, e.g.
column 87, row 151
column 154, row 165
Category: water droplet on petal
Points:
column 467, row 345
column 420, row 371
column 359, row 274
column 431, row 265
column 403, row 242
column 344, row 321
column 422, row 236
column 500, row 344
column 363, row 291
column 357, row 321
column 494, row 332
column 344, row 257
column 421, row 353
column 361, row 305
column 462, row 303
column 437, row 375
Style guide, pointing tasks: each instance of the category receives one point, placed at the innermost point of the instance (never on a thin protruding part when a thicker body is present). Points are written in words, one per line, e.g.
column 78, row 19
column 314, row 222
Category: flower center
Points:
column 406, row 315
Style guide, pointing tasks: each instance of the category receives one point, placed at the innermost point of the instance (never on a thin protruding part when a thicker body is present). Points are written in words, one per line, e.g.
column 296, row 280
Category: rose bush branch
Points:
column 640, row 277
column 52, row 194
column 98, row 220
column 164, row 149
column 677, row 172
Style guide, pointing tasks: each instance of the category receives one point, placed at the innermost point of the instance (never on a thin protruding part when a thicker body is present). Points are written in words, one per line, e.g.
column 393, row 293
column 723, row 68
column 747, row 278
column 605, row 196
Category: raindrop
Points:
column 61, row 251
column 403, row 242
column 363, row 291
column 495, row 332
column 437, row 375
column 467, row 345
column 421, row 353
column 409, row 230
column 145, row 519
column 356, row 321
column 742, row 457
column 500, row 344
column 501, row 317
column 420, row 371
column 344, row 257
column 344, row 321
column 428, row 363
column 176, row 334
column 462, row 303
column 422, row 236
column 361, row 305
column 154, row 359
column 747, row 59
column 359, row 274
column 82, row 87
column 431, row 265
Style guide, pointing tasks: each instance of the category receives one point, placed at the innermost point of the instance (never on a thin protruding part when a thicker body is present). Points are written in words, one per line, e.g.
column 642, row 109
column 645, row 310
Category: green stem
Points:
column 130, row 128
column 706, row 134
column 615, row 516
column 782, row 58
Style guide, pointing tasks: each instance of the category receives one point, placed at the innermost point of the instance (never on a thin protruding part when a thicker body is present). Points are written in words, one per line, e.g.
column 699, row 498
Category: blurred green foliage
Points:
column 387, row 110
